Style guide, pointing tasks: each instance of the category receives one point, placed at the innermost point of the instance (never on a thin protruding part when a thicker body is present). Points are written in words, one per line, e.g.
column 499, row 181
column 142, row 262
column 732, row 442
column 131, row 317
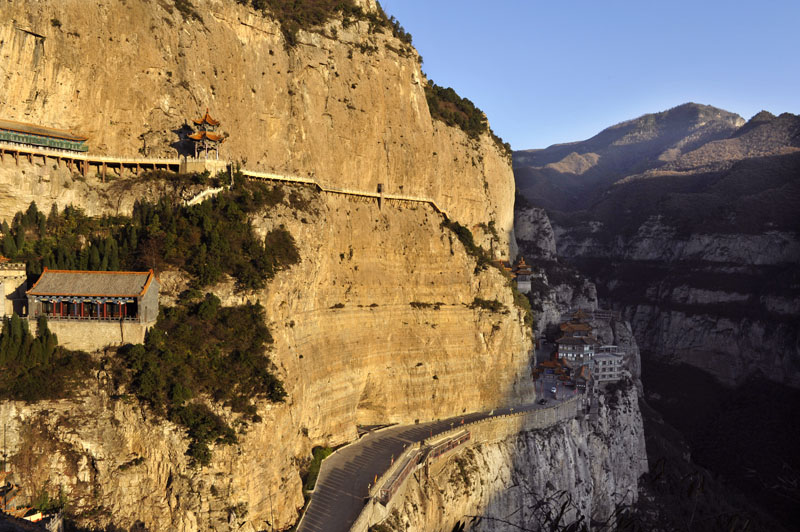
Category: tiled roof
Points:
column 577, row 340
column 207, row 134
column 572, row 326
column 206, row 120
column 91, row 284
column 42, row 131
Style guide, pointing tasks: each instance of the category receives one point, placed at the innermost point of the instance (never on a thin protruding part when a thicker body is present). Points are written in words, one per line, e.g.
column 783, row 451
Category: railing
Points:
column 448, row 445
column 56, row 317
column 66, row 154
column 394, row 482
column 101, row 159
column 346, row 191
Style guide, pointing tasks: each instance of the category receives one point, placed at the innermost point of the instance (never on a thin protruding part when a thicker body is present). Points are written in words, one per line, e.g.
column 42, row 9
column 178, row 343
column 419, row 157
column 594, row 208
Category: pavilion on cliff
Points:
column 206, row 138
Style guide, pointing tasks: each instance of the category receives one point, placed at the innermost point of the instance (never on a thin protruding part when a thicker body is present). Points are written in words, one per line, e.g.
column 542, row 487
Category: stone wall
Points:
column 589, row 465
column 91, row 335
column 485, row 431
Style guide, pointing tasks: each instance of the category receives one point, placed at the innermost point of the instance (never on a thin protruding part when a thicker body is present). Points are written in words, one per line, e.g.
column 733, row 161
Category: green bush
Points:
column 318, row 455
column 446, row 105
column 492, row 305
column 226, row 363
column 207, row 240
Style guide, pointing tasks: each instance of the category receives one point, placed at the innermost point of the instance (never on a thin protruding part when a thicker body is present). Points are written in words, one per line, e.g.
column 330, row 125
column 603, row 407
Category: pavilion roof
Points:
column 573, row 326
column 91, row 284
column 200, row 135
column 206, row 119
column 577, row 340
column 42, row 131
column 521, row 267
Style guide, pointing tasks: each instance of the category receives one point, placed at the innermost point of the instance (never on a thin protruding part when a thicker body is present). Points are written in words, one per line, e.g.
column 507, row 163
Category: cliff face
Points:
column 345, row 104
column 349, row 348
column 719, row 302
column 590, row 464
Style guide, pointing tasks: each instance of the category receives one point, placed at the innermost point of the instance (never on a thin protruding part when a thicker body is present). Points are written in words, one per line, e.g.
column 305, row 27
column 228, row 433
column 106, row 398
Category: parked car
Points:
column 554, row 389
column 542, row 401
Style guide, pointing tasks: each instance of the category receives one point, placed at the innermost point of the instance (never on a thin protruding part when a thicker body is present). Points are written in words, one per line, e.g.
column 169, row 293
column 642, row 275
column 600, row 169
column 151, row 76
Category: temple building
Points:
column 41, row 136
column 206, row 138
column 90, row 310
column 576, row 343
column 523, row 274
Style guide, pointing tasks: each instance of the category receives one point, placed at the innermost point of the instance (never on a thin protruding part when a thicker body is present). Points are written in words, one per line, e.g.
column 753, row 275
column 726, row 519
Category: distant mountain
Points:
column 568, row 176
column 688, row 222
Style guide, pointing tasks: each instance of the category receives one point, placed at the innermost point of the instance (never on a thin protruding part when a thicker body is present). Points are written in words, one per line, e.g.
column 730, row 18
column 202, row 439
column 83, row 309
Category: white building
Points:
column 607, row 367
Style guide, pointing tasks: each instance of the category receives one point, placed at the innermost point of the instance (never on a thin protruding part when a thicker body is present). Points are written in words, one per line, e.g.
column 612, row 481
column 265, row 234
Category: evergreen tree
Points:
column 9, row 246
column 94, row 258
column 19, row 239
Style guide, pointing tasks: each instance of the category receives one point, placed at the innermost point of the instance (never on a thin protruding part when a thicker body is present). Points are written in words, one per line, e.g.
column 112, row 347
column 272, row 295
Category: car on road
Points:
column 542, row 401
column 554, row 389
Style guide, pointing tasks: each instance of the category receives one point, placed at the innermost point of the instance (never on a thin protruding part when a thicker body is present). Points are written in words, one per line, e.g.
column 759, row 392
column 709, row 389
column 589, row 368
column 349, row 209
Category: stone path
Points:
column 343, row 483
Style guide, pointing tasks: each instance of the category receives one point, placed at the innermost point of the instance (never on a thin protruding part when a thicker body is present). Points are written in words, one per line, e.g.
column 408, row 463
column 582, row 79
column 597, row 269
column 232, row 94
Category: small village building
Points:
column 580, row 349
column 583, row 377
column 577, row 345
column 90, row 310
column 15, row 282
column 40, row 136
column 607, row 367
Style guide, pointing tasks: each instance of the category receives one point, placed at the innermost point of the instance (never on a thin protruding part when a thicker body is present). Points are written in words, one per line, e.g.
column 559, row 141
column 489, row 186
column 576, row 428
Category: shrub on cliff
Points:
column 296, row 15
column 202, row 350
column 207, row 240
column 446, row 105
column 464, row 236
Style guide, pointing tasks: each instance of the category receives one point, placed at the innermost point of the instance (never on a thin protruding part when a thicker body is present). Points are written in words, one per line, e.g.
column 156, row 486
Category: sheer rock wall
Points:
column 346, row 104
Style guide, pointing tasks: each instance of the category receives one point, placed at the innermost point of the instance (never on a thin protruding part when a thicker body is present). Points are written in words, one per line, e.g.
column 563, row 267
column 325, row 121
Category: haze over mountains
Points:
column 678, row 212
column 687, row 220
column 714, row 146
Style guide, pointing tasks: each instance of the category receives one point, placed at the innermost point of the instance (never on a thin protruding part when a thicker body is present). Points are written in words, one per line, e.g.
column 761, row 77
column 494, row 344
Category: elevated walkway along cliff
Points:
column 359, row 483
column 83, row 163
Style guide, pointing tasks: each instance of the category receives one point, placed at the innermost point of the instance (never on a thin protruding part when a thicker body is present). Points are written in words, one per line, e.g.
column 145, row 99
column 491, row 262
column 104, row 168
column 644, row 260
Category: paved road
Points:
column 342, row 487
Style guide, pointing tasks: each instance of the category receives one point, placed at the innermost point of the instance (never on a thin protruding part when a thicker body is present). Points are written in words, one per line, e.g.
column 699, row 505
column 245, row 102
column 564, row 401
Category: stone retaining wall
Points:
column 490, row 430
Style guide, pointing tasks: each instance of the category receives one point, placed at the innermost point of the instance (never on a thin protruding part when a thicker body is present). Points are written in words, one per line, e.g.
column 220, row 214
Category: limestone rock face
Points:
column 345, row 104
column 535, row 233
column 596, row 463
column 349, row 347
column 720, row 302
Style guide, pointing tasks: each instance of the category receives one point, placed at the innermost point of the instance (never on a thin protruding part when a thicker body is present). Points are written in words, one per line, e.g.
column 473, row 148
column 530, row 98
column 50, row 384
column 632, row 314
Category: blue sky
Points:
column 563, row 70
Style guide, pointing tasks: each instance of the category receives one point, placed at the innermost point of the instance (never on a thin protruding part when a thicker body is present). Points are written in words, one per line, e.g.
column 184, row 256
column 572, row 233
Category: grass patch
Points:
column 422, row 305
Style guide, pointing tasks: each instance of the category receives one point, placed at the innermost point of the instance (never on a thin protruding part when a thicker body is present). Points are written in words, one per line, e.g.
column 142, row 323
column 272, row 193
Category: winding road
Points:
column 343, row 484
